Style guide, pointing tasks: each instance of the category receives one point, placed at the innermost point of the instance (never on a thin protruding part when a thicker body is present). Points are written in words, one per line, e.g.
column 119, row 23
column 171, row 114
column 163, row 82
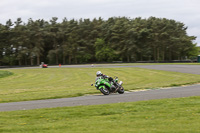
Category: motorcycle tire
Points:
column 105, row 91
column 120, row 90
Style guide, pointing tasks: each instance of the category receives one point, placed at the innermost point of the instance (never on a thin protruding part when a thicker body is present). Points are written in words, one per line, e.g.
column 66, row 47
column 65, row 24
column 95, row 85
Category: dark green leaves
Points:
column 85, row 40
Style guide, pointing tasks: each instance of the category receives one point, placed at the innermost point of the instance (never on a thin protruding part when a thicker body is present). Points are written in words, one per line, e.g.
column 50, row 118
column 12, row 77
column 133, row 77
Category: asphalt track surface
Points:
column 174, row 92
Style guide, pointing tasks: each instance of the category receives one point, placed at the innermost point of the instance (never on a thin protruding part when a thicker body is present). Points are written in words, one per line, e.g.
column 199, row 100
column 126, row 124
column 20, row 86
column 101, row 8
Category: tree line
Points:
column 97, row 40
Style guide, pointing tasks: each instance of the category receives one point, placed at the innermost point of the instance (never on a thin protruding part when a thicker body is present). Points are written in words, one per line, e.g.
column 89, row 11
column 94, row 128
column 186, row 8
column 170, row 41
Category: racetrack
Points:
column 186, row 91
column 193, row 69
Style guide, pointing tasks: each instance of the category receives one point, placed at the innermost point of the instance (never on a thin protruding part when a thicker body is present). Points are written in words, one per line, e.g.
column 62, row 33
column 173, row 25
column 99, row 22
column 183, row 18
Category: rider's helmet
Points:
column 99, row 73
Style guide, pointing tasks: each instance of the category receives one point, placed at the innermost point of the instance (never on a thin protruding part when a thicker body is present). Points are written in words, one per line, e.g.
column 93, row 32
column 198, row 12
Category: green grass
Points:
column 34, row 84
column 4, row 74
column 179, row 115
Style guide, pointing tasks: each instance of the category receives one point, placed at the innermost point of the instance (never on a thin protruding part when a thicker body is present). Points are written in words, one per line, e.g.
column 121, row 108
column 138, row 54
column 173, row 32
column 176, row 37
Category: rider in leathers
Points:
column 99, row 74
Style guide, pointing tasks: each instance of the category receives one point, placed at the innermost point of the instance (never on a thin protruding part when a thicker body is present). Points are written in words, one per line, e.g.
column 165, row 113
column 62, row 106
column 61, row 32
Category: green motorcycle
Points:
column 109, row 85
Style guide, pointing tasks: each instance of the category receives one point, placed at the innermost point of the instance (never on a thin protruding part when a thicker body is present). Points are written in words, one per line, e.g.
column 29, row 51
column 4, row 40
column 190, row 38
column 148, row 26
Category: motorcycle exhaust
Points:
column 120, row 83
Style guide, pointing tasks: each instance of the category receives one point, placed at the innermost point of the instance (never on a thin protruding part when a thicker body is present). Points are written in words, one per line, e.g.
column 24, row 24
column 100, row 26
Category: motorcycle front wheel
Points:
column 105, row 91
column 120, row 90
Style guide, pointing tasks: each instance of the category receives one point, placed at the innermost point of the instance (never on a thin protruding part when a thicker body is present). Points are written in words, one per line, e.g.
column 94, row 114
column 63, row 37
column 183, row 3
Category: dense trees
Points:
column 85, row 40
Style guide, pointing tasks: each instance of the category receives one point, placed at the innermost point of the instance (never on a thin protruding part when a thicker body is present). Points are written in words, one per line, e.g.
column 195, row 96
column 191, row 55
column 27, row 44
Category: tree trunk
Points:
column 75, row 59
column 56, row 58
column 32, row 63
column 170, row 54
column 20, row 62
column 154, row 53
column 64, row 60
column 70, row 58
column 158, row 54
column 38, row 60
column 163, row 56
column 128, row 58
column 163, row 53
column 26, row 62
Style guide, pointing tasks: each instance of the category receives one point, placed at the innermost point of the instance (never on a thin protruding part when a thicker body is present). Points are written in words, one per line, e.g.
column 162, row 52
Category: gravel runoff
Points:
column 174, row 92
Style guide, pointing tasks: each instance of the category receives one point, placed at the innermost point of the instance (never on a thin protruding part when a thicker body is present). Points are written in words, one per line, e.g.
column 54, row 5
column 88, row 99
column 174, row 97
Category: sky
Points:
column 185, row 11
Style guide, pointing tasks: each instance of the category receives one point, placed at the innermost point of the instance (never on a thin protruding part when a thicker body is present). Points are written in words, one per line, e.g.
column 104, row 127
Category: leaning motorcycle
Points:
column 109, row 85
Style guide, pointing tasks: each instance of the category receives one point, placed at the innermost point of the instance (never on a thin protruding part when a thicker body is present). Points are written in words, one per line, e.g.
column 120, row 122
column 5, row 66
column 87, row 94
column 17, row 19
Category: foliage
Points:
column 103, row 51
column 74, row 41
column 35, row 84
column 177, row 115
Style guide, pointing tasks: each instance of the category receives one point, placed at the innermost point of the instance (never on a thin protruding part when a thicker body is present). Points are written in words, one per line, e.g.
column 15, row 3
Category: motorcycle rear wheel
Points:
column 105, row 91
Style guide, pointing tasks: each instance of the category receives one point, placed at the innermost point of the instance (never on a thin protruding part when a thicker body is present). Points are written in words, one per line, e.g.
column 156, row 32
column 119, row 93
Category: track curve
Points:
column 174, row 92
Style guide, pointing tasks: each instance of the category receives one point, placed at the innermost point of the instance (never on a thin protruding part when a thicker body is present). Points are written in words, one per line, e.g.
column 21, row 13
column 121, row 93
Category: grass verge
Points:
column 178, row 115
column 34, row 84
column 4, row 74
